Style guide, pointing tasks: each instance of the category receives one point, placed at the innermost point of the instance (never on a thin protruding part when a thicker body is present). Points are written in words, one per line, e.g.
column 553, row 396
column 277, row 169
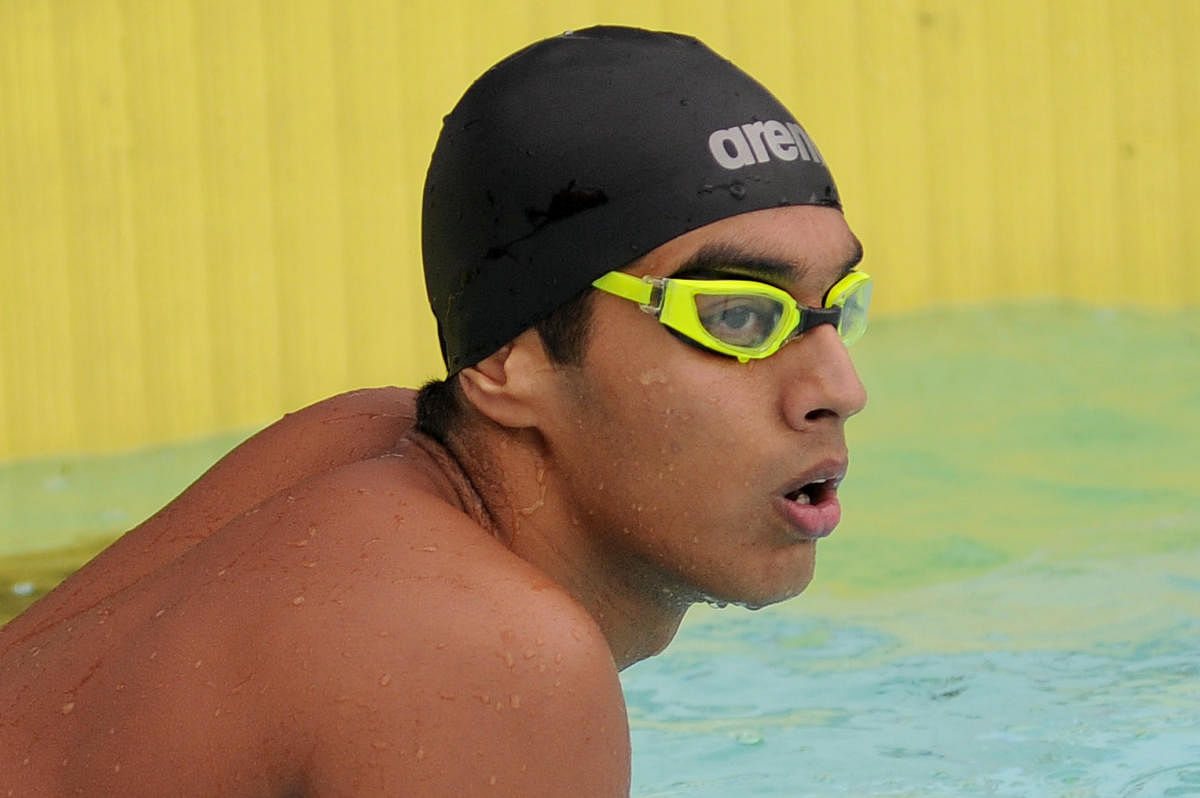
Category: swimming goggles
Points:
column 745, row 319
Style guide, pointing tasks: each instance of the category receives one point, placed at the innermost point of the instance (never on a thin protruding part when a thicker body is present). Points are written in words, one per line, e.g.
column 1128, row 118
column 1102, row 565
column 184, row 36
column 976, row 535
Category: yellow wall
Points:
column 209, row 209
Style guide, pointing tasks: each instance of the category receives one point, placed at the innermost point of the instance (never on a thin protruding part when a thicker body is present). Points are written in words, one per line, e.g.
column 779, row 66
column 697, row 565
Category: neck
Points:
column 515, row 489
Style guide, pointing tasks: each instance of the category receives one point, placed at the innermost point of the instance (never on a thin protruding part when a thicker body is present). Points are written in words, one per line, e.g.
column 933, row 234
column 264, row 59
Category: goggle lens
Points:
column 854, row 302
column 739, row 320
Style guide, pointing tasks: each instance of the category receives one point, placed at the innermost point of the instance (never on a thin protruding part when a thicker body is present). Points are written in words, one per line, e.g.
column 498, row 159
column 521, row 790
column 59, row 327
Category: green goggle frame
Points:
column 744, row 319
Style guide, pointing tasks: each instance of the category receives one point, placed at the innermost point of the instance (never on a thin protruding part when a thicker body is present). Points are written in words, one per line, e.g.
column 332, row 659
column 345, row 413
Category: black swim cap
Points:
column 579, row 154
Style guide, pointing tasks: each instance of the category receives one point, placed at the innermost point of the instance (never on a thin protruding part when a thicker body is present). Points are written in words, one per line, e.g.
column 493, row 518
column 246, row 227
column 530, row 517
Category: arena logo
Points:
column 756, row 142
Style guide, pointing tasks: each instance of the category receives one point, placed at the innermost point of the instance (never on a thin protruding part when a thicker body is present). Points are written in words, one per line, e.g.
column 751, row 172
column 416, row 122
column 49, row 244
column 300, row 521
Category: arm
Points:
column 507, row 689
column 551, row 725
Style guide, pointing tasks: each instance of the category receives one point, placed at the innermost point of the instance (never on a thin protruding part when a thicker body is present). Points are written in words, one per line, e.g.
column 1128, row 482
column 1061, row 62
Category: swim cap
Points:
column 581, row 153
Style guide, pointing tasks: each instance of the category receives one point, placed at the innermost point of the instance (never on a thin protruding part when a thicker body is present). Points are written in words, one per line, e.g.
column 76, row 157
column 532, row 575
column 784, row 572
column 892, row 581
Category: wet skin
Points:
column 342, row 607
column 359, row 632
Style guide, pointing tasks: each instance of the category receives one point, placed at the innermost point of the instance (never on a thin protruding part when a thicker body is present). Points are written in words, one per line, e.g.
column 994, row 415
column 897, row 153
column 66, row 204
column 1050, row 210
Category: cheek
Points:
column 681, row 426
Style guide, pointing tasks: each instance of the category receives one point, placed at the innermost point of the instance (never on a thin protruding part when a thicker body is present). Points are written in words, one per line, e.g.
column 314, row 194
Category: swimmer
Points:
column 644, row 288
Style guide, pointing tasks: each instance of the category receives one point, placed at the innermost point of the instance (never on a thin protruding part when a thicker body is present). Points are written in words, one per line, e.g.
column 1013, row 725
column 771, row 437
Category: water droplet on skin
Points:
column 653, row 377
column 197, row 664
column 298, row 600
column 68, row 707
column 420, row 753
column 515, row 701
column 385, row 680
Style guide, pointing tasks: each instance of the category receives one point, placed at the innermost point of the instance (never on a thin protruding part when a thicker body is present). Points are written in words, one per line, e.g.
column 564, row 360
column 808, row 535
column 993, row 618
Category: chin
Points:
column 762, row 593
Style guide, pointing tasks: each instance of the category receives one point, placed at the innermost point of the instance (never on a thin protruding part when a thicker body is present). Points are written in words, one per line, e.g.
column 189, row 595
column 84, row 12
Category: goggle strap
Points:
column 641, row 290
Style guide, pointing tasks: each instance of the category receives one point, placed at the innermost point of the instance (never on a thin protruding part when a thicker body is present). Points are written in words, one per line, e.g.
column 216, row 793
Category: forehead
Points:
column 815, row 242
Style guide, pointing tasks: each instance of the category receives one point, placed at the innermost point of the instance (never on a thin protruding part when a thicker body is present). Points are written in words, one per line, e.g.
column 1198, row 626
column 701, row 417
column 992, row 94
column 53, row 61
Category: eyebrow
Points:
column 723, row 260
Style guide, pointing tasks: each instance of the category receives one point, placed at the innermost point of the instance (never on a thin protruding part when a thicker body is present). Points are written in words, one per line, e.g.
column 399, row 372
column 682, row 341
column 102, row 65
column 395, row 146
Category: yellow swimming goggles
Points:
column 745, row 319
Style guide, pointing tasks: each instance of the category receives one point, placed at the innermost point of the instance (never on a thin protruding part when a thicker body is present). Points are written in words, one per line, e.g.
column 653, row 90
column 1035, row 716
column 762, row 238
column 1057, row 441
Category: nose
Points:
column 822, row 383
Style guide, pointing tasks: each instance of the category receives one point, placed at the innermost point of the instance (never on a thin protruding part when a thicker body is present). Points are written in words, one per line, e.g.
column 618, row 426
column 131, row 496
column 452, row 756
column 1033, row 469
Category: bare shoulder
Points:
column 354, row 426
column 440, row 663
column 346, row 428
column 357, row 634
column 522, row 701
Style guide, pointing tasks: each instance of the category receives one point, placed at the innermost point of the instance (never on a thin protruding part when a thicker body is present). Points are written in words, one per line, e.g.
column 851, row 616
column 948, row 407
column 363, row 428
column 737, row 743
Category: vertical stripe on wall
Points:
column 209, row 209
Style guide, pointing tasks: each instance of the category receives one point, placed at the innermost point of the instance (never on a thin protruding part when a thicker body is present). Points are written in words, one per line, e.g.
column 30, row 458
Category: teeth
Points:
column 802, row 498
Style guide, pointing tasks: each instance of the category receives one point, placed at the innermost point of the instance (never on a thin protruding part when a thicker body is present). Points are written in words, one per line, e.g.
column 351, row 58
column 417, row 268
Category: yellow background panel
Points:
column 209, row 209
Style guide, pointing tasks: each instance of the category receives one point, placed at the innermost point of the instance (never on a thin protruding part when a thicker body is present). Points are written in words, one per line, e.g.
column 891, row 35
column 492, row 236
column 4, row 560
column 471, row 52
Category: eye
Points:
column 746, row 321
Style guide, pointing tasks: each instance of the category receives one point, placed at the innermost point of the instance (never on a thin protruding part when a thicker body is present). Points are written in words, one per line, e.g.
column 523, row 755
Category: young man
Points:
column 644, row 285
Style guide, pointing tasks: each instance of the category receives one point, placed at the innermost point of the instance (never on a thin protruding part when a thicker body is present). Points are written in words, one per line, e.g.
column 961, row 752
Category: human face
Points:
column 685, row 465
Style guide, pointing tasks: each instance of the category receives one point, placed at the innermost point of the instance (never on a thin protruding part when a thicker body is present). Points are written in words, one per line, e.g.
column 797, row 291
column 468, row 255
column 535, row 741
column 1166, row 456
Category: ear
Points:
column 505, row 385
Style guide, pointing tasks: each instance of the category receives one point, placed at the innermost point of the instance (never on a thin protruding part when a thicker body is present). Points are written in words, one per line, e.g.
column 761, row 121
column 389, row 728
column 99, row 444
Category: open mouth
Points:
column 811, row 509
column 812, row 493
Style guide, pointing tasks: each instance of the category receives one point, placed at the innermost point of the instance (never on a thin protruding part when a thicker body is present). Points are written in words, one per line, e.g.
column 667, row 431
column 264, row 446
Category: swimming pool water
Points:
column 1011, row 606
column 1066, row 695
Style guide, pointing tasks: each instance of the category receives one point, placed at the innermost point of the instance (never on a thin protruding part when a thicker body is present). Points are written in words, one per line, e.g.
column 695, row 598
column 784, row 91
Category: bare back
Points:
column 323, row 613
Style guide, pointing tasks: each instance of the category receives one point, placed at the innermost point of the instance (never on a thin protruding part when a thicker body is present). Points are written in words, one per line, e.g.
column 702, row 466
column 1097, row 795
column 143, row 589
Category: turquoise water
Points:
column 1011, row 606
column 1063, row 696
